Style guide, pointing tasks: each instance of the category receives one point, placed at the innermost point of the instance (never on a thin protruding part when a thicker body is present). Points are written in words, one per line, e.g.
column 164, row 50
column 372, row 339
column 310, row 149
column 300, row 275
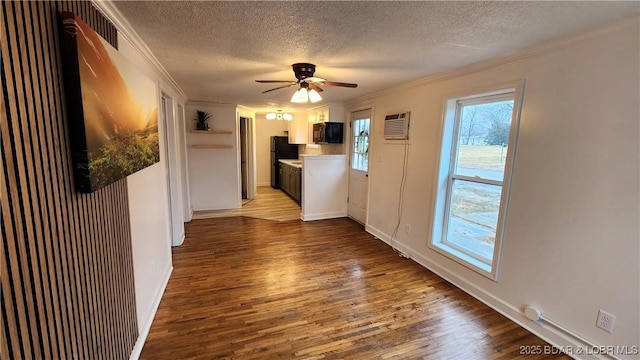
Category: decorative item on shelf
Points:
column 279, row 116
column 201, row 120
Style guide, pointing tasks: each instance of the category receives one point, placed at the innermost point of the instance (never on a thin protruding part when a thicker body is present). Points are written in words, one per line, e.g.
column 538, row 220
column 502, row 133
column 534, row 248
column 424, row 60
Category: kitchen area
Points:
column 300, row 163
column 310, row 163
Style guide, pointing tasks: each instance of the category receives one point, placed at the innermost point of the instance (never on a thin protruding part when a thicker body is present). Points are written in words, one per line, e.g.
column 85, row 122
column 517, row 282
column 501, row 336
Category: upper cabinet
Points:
column 301, row 127
column 298, row 129
column 329, row 112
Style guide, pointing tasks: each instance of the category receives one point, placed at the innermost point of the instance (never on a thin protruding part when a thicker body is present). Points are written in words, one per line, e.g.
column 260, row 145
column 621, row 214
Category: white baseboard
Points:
column 268, row 183
column 144, row 328
column 547, row 333
column 323, row 216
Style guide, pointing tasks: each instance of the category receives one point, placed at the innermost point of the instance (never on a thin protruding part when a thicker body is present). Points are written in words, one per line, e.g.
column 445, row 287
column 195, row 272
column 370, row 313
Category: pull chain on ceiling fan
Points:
column 309, row 85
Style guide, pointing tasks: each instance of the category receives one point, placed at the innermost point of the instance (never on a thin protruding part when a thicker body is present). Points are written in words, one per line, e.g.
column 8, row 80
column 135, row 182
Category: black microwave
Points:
column 328, row 133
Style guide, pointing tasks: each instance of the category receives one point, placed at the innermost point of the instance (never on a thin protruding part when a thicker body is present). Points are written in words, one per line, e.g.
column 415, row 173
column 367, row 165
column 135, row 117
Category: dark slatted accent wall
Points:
column 66, row 262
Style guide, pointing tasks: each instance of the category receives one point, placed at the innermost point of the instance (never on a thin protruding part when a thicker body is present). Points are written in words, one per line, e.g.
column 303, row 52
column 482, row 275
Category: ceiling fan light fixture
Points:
column 301, row 96
column 309, row 84
column 287, row 116
column 314, row 96
column 271, row 116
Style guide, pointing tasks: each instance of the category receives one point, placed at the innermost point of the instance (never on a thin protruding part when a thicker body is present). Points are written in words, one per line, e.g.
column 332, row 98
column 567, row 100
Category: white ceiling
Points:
column 215, row 50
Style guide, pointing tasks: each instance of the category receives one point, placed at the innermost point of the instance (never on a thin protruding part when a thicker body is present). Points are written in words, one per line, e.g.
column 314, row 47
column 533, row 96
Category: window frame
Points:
column 446, row 177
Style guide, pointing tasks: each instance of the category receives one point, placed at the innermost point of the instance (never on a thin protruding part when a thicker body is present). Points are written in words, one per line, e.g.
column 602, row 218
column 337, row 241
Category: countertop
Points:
column 292, row 162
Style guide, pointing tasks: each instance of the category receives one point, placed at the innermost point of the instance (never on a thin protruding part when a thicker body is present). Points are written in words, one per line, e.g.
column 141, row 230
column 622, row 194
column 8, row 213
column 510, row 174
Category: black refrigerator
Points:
column 280, row 149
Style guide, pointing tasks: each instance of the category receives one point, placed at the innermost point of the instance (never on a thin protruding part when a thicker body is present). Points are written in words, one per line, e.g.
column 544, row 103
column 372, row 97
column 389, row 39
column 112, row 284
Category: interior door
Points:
column 182, row 151
column 244, row 156
column 359, row 165
column 172, row 171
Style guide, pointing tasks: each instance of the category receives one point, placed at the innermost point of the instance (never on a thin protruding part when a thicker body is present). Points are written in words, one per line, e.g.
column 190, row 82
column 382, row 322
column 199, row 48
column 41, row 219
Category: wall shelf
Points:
column 212, row 131
column 211, row 146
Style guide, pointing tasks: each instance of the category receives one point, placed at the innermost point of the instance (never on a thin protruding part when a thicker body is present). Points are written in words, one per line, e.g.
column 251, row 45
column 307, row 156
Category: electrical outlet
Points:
column 407, row 229
column 606, row 321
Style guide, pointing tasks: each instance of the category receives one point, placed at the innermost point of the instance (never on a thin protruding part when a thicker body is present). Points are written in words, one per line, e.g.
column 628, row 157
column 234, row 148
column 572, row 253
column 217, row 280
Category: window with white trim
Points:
column 479, row 136
column 360, row 157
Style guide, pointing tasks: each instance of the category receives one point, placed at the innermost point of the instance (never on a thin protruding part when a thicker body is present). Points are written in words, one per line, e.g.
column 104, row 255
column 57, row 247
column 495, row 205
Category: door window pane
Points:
column 360, row 158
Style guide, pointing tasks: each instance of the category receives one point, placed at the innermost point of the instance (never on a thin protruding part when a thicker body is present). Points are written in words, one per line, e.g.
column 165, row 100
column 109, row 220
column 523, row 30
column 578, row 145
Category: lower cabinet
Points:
column 290, row 181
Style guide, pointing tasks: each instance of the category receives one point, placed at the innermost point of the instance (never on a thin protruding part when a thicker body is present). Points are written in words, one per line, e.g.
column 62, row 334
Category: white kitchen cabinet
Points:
column 333, row 112
column 298, row 129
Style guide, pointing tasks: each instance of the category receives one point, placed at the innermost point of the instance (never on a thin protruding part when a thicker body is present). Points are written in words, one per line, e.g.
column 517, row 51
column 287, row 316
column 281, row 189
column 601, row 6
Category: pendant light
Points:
column 279, row 116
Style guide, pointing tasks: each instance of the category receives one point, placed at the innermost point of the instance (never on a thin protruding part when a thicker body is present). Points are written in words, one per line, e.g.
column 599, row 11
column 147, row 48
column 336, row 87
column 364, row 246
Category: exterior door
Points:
column 359, row 165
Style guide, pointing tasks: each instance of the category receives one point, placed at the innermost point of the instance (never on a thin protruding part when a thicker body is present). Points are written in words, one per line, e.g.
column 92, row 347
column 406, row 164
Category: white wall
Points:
column 571, row 244
column 265, row 129
column 214, row 174
column 149, row 213
column 324, row 187
column 147, row 189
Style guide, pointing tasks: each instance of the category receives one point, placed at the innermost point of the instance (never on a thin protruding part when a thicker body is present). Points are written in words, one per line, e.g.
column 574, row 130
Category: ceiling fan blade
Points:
column 315, row 87
column 275, row 81
column 333, row 83
column 280, row 87
column 314, row 79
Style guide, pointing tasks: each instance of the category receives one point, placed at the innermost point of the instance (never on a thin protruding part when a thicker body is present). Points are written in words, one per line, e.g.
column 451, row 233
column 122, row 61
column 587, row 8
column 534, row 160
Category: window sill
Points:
column 464, row 259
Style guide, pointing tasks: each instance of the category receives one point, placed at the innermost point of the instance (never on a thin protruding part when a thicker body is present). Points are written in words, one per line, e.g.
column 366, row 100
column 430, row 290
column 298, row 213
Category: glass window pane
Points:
column 473, row 216
column 360, row 156
column 483, row 137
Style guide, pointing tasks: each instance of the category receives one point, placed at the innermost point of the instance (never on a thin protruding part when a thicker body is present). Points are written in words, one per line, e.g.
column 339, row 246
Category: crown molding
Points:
column 245, row 108
column 130, row 35
column 517, row 55
column 211, row 104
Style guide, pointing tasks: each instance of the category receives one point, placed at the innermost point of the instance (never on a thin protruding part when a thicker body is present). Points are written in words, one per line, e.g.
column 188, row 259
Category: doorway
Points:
column 244, row 155
column 247, row 159
column 359, row 165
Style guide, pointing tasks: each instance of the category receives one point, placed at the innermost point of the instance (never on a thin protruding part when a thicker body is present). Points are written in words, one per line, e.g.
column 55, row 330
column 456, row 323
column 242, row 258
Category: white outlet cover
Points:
column 606, row 321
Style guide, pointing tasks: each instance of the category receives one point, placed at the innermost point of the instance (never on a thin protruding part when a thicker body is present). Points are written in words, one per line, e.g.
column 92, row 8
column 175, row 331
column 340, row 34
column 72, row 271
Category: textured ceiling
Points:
column 215, row 50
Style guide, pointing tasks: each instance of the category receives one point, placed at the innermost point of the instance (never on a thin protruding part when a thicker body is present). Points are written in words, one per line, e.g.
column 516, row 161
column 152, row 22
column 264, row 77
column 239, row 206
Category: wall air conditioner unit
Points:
column 396, row 126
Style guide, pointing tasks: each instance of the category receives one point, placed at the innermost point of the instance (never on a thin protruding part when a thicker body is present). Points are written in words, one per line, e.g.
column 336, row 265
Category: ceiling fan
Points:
column 309, row 85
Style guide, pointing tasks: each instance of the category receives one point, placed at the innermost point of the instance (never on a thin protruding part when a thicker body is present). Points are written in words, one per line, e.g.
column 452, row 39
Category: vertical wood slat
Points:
column 61, row 325
column 39, row 210
column 17, row 252
column 9, row 330
column 66, row 258
column 45, row 248
column 70, row 228
column 71, row 231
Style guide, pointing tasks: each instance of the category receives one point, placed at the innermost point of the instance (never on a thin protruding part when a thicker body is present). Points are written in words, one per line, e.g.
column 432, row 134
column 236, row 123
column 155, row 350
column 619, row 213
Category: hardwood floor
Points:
column 269, row 204
column 246, row 288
